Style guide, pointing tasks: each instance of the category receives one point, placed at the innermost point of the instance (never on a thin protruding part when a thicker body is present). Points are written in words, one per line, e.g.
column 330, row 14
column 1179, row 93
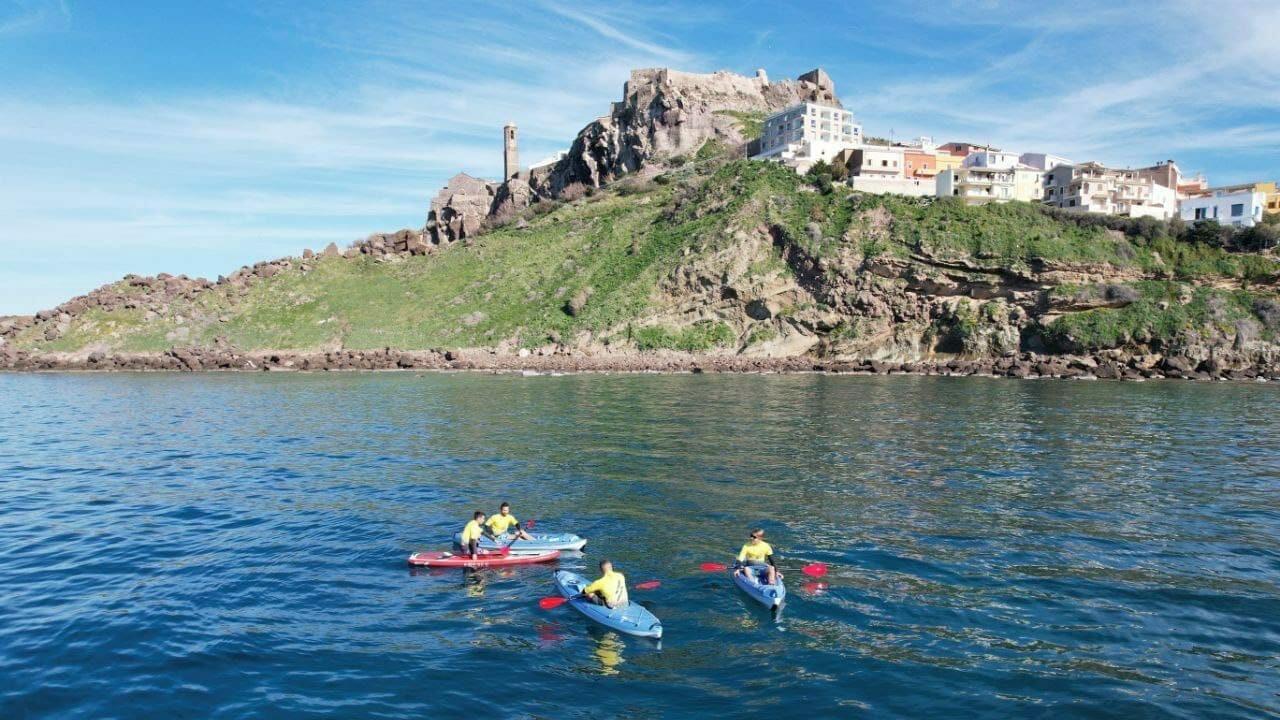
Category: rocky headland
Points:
column 652, row 246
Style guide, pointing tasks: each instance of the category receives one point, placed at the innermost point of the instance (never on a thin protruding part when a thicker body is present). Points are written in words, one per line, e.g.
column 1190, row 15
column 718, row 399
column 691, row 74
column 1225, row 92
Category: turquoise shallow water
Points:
column 234, row 545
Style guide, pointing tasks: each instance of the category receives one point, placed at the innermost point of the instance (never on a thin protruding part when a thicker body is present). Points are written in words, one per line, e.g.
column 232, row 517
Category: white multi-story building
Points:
column 1240, row 206
column 991, row 158
column 1091, row 187
column 807, row 132
column 1043, row 161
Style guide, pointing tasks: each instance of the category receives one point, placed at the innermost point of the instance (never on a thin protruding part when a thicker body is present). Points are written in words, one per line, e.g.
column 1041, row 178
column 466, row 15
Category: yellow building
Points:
column 1273, row 196
column 947, row 161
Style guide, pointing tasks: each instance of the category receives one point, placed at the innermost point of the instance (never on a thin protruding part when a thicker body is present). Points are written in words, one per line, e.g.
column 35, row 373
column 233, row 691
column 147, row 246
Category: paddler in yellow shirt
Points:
column 610, row 590
column 757, row 553
column 504, row 521
column 471, row 534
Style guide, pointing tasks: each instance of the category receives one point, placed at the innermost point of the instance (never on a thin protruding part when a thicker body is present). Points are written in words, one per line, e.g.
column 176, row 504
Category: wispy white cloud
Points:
column 201, row 182
column 605, row 29
column 1121, row 83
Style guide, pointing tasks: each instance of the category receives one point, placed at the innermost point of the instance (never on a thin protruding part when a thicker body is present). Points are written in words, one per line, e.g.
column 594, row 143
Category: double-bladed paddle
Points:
column 812, row 569
column 548, row 603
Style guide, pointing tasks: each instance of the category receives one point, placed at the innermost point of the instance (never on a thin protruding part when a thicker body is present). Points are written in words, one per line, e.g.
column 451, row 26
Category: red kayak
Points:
column 484, row 559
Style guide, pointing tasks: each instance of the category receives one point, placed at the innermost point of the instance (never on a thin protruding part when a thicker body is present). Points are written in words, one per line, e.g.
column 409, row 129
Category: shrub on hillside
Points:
column 698, row 338
column 1268, row 311
column 1208, row 233
column 1257, row 238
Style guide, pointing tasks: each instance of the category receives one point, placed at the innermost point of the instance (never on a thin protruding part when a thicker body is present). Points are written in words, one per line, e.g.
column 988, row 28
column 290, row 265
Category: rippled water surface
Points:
column 234, row 545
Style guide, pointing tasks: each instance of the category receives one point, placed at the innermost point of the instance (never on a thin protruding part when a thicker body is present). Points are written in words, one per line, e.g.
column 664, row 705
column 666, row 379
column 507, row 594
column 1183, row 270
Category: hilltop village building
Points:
column 1236, row 205
column 807, row 132
column 1092, row 187
column 990, row 175
column 978, row 174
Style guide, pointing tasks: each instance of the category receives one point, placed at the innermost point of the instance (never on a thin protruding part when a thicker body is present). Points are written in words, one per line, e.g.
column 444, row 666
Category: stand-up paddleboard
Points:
column 631, row 619
column 541, row 542
column 753, row 581
column 487, row 559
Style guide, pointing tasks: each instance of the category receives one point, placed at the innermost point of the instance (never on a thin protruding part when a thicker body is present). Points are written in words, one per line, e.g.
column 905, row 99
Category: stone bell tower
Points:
column 510, row 154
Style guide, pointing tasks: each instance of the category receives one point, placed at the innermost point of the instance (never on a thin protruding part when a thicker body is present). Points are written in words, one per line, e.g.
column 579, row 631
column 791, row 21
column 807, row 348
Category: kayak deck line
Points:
column 751, row 582
column 541, row 542
column 486, row 559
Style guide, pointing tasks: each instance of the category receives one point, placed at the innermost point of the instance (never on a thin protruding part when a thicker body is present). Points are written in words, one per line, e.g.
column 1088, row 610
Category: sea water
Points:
column 234, row 545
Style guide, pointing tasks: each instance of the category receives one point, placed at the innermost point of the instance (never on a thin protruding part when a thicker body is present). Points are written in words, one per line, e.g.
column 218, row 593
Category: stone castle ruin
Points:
column 663, row 113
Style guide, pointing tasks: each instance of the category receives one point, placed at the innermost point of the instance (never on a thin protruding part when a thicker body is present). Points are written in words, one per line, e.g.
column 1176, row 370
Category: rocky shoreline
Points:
column 1105, row 366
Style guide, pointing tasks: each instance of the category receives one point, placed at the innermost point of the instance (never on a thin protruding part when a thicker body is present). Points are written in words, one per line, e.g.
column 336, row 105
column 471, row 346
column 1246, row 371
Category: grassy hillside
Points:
column 607, row 255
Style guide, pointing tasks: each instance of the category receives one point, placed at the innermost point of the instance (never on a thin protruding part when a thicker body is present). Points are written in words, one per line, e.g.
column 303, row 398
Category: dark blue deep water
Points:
column 233, row 545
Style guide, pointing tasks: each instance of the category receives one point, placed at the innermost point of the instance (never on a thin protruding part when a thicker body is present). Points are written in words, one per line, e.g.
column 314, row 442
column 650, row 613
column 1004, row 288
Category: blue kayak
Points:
column 752, row 581
column 631, row 619
column 541, row 542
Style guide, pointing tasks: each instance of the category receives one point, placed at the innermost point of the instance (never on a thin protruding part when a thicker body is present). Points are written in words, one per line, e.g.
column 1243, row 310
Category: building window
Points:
column 1237, row 210
column 1202, row 213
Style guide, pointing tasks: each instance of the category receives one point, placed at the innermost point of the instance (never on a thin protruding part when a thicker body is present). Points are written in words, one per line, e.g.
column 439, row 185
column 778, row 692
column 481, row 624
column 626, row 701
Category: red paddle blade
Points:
column 815, row 588
column 712, row 567
column 648, row 585
column 547, row 603
column 814, row 570
column 530, row 525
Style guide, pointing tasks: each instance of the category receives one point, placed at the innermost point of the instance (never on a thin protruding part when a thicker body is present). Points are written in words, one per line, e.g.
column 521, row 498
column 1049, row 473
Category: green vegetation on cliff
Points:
column 606, row 267
column 1161, row 310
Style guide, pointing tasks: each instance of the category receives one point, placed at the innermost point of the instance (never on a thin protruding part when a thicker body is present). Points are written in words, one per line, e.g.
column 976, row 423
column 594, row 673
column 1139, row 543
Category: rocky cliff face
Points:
column 850, row 289
column 663, row 113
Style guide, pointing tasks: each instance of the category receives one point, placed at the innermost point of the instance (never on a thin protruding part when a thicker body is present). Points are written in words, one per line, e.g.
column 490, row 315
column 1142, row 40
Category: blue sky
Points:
column 195, row 137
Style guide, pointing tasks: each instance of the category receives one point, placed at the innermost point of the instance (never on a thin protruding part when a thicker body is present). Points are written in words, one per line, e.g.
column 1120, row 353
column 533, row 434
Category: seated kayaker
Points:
column 504, row 521
column 757, row 553
column 471, row 534
column 610, row 590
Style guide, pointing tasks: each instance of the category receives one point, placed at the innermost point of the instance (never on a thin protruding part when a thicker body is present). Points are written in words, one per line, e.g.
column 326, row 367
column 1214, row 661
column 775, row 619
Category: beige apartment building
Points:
column 989, row 175
column 1092, row 187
